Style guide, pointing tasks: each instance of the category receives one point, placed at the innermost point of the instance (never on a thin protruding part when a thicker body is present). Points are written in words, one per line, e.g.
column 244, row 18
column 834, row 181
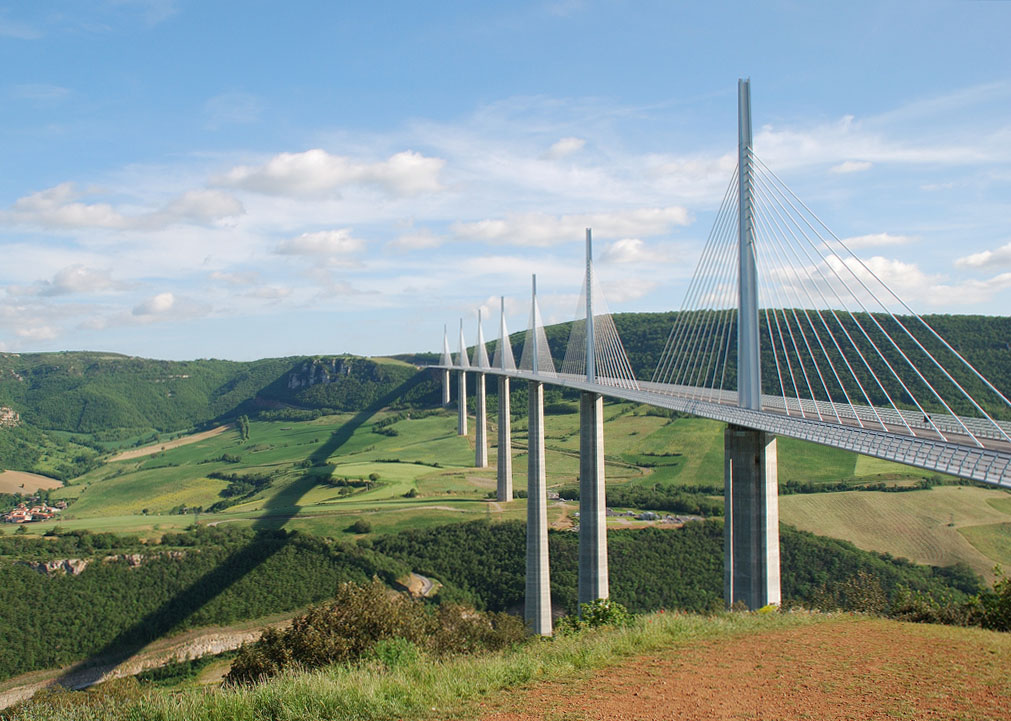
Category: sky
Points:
column 188, row 179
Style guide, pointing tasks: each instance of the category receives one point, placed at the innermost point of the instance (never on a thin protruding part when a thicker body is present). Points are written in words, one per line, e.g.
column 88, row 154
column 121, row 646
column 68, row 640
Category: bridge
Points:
column 784, row 331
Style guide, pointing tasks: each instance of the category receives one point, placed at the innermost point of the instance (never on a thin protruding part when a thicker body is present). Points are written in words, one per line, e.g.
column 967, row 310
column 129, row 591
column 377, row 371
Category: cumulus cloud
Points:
column 155, row 305
column 631, row 250
column 987, row 258
column 317, row 172
column 77, row 279
column 202, row 206
column 541, row 229
column 565, row 146
column 852, row 166
column 876, row 239
column 37, row 333
column 60, row 207
column 322, row 243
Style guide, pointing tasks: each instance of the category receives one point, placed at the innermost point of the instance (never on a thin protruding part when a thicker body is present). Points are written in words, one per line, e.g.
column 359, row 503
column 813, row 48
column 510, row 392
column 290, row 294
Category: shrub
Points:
column 371, row 621
column 601, row 612
column 360, row 526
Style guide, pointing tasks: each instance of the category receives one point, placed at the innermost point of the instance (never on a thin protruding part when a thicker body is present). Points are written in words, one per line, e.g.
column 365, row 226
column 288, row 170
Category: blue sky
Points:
column 186, row 179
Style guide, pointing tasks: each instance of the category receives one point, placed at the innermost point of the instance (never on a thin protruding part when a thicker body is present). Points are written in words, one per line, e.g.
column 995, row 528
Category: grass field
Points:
column 426, row 477
column 24, row 483
column 939, row 527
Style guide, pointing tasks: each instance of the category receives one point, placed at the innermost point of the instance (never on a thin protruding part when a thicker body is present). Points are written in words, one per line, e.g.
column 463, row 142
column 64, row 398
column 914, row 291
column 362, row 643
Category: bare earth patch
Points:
column 849, row 669
column 159, row 447
column 22, row 482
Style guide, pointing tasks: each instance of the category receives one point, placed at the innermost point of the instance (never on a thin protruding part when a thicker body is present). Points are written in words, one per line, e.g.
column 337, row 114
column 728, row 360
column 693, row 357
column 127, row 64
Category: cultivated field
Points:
column 426, row 477
column 24, row 483
column 158, row 447
column 939, row 527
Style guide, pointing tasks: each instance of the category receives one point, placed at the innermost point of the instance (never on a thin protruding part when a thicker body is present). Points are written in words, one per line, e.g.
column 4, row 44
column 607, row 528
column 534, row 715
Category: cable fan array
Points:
column 610, row 361
column 837, row 344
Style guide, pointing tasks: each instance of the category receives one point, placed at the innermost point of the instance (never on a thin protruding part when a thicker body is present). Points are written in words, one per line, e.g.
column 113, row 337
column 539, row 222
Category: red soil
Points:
column 848, row 669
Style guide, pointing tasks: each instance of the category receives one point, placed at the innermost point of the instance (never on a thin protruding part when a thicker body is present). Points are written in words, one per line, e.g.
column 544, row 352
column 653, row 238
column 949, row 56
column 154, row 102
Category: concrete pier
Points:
column 480, row 424
column 592, row 506
column 445, row 388
column 504, row 487
column 751, row 518
column 537, row 611
column 461, row 403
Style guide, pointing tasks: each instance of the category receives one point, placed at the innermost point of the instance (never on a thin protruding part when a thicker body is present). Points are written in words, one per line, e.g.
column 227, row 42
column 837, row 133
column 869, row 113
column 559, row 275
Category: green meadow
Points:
column 424, row 476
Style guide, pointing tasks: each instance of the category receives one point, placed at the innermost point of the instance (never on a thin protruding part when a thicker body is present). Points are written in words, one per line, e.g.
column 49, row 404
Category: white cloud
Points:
column 156, row 305
column 421, row 240
column 541, row 229
column 202, row 206
column 851, row 166
column 631, row 250
column 317, row 172
column 874, row 240
column 59, row 207
column 236, row 278
column 322, row 243
column 986, row 258
column 37, row 333
column 564, row 147
column 77, row 279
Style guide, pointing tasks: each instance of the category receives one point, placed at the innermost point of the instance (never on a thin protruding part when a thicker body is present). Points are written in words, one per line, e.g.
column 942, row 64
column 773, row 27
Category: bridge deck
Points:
column 859, row 430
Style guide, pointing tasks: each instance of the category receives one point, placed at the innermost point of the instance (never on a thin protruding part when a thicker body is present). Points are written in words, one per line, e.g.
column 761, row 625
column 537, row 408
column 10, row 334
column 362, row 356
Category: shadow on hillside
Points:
column 277, row 511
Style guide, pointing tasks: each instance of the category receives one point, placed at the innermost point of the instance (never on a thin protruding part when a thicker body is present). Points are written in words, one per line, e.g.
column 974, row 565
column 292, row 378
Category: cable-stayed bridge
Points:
column 783, row 331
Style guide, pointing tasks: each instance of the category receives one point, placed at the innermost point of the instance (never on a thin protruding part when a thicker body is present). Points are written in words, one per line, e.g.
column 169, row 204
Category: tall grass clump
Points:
column 421, row 685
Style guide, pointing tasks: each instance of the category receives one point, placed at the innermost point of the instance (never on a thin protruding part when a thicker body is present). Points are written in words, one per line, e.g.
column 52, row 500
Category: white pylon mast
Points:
column 749, row 377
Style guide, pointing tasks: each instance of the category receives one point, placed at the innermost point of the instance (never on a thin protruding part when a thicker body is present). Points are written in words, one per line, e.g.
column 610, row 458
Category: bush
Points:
column 360, row 526
column 371, row 621
column 601, row 612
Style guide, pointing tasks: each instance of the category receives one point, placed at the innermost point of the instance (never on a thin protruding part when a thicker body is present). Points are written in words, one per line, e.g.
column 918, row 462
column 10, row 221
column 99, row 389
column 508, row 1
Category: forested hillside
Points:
column 223, row 575
column 74, row 406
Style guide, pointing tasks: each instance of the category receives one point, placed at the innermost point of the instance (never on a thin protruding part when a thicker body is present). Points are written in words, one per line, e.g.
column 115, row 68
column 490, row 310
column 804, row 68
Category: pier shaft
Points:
column 751, row 518
column 537, row 612
column 593, row 583
column 504, row 486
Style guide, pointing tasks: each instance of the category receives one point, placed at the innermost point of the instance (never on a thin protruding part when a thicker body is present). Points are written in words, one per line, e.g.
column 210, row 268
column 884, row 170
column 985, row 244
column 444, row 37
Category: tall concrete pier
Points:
column 592, row 510
column 461, row 400
column 751, row 533
column 504, row 485
column 593, row 582
column 480, row 423
column 504, row 360
column 537, row 611
column 445, row 388
column 461, row 404
column 751, row 514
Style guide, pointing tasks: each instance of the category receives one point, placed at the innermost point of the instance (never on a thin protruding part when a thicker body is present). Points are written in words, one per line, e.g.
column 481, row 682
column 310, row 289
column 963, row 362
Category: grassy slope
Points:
column 438, row 464
column 465, row 687
column 929, row 527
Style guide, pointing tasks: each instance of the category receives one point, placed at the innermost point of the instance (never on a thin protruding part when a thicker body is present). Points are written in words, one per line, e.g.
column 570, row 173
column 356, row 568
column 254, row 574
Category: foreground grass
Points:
column 421, row 688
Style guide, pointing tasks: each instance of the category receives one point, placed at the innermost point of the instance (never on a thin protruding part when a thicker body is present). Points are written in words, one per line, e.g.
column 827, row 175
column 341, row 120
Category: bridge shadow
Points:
column 270, row 539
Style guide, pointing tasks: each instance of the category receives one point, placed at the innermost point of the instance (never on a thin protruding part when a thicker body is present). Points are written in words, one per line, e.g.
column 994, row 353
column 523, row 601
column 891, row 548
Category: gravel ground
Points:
column 854, row 668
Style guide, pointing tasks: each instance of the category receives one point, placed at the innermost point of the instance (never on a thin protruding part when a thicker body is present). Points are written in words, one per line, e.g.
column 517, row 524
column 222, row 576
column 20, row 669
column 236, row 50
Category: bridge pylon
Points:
column 480, row 405
column 751, row 571
column 593, row 578
column 504, row 477
column 461, row 400
column 537, row 607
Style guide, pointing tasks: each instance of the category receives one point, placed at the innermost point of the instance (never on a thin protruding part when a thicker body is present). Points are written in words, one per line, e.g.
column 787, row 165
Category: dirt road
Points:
column 159, row 447
column 850, row 669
